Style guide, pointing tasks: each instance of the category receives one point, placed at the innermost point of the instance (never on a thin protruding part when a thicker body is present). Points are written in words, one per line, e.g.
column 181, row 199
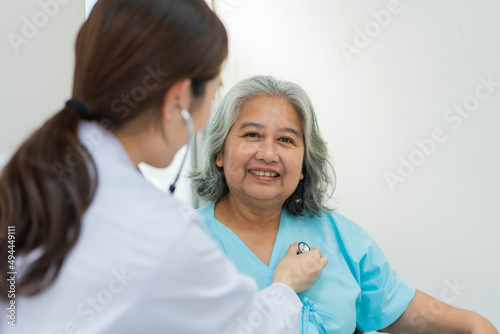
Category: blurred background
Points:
column 407, row 94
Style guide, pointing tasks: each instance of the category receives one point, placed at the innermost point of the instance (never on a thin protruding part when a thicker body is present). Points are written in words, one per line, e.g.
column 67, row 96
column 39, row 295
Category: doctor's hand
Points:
column 299, row 271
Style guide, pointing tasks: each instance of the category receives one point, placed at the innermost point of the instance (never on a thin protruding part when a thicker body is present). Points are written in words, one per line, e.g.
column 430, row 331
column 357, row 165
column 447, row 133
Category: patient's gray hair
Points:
column 318, row 184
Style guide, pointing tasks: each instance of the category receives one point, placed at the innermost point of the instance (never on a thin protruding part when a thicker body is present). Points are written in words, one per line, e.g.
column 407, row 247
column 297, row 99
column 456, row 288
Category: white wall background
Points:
column 440, row 226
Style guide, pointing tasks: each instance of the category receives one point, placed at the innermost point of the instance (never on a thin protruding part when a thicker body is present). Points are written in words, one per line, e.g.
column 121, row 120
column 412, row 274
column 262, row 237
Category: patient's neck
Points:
column 245, row 215
column 256, row 227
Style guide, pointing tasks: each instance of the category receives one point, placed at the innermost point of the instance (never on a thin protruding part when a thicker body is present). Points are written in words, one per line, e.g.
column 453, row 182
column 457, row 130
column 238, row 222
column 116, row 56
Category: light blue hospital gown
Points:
column 358, row 287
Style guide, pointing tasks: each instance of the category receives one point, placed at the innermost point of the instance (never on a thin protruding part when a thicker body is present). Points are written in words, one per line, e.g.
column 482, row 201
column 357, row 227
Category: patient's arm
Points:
column 429, row 315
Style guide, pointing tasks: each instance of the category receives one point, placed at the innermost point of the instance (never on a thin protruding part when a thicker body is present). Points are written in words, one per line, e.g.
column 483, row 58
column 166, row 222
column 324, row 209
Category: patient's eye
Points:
column 286, row 140
column 252, row 135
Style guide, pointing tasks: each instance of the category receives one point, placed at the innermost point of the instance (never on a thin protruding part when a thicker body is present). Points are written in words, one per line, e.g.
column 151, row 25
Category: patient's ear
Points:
column 220, row 160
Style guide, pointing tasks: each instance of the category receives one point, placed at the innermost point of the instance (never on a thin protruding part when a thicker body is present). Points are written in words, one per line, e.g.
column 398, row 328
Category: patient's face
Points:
column 264, row 151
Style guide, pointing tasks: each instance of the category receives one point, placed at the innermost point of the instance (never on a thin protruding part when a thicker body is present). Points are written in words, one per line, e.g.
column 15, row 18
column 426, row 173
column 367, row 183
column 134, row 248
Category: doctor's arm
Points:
column 428, row 315
column 198, row 290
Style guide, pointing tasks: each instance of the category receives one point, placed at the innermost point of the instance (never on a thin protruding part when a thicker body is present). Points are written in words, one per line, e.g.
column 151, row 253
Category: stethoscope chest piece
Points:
column 303, row 247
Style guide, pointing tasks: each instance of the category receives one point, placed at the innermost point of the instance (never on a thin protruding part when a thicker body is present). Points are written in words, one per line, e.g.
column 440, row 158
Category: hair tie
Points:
column 79, row 107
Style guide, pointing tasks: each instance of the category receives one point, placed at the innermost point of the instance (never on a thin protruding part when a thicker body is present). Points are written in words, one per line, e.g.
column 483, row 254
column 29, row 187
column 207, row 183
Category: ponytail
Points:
column 44, row 191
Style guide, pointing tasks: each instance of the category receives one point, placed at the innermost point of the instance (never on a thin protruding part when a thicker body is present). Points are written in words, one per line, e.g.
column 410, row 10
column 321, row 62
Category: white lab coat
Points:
column 142, row 265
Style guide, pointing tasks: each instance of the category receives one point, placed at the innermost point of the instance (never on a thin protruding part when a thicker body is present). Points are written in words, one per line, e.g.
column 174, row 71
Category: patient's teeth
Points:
column 264, row 173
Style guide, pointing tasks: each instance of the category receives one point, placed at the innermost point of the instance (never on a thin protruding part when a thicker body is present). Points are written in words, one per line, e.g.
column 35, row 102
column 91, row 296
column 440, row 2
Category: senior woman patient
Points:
column 266, row 173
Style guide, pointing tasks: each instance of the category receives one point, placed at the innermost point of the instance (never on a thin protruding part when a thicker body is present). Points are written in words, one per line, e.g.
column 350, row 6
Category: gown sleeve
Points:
column 384, row 294
column 197, row 290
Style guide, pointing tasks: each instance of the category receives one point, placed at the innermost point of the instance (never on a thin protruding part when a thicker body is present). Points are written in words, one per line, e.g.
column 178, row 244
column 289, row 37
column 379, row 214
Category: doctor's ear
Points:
column 178, row 97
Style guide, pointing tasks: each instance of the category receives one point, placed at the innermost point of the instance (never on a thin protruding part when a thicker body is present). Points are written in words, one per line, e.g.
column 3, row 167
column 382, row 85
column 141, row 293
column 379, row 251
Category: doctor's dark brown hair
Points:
column 128, row 54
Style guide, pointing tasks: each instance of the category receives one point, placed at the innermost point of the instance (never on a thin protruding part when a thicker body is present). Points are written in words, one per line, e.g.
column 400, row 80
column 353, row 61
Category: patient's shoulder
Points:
column 206, row 211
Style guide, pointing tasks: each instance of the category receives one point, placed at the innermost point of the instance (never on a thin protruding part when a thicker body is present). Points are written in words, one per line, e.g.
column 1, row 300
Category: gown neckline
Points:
column 277, row 254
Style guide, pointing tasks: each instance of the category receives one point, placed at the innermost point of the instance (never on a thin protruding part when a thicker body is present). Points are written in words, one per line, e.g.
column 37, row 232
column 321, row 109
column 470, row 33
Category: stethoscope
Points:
column 303, row 247
column 189, row 122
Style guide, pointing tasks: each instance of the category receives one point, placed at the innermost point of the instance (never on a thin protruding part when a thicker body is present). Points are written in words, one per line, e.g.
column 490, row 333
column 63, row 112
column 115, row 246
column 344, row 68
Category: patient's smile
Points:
column 263, row 173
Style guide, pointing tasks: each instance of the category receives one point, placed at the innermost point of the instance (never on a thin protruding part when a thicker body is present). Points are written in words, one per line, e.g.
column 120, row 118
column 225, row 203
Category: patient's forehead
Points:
column 266, row 111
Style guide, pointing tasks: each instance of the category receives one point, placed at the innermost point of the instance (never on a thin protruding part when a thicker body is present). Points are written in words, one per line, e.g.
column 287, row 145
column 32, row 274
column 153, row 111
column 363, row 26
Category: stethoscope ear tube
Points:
column 189, row 122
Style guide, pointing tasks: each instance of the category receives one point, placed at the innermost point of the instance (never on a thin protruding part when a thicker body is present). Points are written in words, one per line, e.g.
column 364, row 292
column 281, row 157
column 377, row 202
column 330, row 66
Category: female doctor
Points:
column 87, row 245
